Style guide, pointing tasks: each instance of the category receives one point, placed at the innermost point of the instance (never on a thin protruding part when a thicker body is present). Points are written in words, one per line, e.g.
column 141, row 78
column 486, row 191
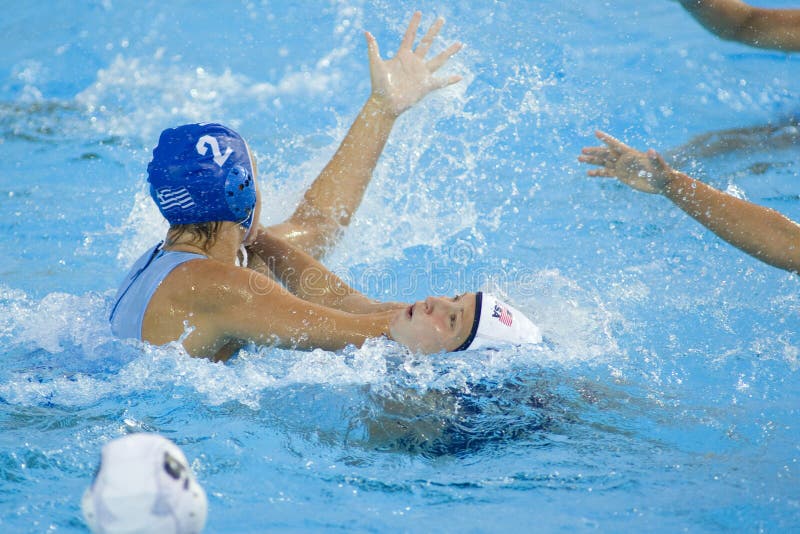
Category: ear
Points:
column 240, row 192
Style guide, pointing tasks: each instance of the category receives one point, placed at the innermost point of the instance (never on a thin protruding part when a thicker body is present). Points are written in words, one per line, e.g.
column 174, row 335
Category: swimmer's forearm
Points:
column 315, row 327
column 721, row 17
column 359, row 303
column 737, row 21
column 759, row 231
column 333, row 334
column 337, row 192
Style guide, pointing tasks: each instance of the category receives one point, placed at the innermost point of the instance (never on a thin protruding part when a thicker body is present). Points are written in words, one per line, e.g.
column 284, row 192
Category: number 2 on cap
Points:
column 208, row 141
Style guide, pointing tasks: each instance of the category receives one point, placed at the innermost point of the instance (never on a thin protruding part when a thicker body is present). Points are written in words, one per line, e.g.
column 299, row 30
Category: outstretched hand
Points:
column 647, row 172
column 402, row 81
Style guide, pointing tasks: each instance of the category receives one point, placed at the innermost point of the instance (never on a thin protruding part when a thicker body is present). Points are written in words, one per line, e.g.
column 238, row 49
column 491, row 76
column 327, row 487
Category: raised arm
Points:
column 397, row 84
column 736, row 21
column 761, row 232
column 308, row 279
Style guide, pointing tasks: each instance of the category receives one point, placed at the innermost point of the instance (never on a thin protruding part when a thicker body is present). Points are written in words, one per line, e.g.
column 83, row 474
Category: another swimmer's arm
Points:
column 759, row 231
column 397, row 84
column 736, row 21
column 309, row 279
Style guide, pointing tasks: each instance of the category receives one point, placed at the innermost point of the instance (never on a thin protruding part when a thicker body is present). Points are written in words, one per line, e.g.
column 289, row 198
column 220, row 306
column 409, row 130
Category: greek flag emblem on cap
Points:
column 178, row 198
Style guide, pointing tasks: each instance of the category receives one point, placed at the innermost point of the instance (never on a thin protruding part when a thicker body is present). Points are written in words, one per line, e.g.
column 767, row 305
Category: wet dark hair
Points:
column 203, row 235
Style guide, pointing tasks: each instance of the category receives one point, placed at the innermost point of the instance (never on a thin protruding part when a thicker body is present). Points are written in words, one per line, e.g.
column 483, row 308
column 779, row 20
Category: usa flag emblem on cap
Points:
column 502, row 314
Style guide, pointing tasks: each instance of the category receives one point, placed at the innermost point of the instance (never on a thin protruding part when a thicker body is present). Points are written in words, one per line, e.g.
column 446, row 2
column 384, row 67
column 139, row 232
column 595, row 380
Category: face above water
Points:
column 436, row 324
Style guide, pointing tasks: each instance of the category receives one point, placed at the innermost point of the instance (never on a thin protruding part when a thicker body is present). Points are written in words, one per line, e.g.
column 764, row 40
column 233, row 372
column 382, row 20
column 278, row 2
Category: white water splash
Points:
column 55, row 320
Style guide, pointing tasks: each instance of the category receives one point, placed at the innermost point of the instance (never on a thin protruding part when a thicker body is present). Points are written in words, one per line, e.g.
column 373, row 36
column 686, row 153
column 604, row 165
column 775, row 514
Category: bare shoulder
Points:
column 210, row 286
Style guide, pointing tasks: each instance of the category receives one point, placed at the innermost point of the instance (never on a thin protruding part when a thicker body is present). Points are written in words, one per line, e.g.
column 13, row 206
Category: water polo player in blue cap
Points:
column 204, row 181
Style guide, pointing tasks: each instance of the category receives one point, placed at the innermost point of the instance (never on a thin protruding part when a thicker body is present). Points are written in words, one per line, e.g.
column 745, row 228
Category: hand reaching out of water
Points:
column 757, row 230
column 401, row 82
column 397, row 84
column 646, row 172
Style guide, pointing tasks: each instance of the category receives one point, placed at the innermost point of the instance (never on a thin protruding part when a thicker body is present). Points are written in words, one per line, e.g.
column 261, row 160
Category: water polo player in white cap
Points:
column 465, row 322
column 203, row 178
column 144, row 485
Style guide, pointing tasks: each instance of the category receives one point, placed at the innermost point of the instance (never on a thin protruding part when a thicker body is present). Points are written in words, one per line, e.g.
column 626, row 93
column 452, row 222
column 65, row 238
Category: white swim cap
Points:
column 497, row 323
column 144, row 485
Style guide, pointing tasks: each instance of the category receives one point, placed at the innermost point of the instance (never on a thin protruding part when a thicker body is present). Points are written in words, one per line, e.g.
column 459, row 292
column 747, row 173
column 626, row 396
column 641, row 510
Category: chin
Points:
column 395, row 320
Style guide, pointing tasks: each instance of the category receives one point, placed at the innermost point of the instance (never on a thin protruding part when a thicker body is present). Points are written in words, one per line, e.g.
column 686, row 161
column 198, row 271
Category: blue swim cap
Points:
column 202, row 173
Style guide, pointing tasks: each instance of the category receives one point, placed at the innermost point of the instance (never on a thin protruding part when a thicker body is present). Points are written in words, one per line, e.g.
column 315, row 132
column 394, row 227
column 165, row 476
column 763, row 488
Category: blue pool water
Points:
column 665, row 397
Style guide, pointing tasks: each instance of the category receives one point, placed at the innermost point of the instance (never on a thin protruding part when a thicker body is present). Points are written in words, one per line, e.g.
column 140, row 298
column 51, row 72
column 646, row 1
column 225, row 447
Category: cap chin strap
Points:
column 247, row 224
column 243, row 261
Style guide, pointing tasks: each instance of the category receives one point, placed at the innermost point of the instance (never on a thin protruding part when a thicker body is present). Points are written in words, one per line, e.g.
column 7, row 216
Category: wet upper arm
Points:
column 258, row 309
